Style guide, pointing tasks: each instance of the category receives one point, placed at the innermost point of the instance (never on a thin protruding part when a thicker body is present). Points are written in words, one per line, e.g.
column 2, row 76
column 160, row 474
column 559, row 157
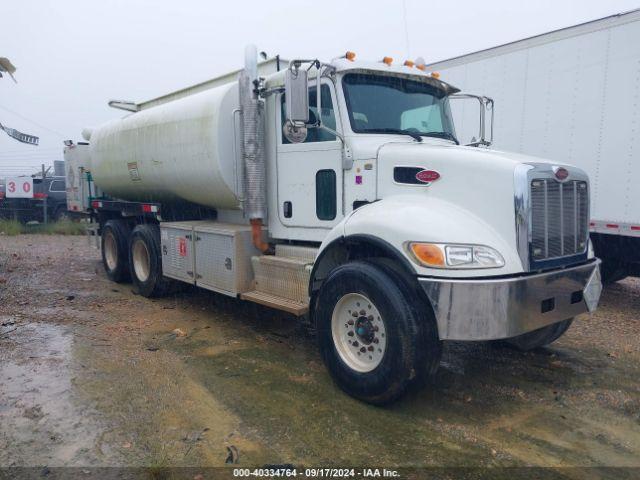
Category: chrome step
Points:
column 274, row 301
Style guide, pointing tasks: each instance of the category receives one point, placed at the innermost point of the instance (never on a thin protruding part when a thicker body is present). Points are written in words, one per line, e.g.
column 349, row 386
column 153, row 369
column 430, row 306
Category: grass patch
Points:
column 10, row 227
column 64, row 227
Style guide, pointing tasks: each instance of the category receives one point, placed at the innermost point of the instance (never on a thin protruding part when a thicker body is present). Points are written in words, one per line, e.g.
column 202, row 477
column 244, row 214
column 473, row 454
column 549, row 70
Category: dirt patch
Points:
column 92, row 374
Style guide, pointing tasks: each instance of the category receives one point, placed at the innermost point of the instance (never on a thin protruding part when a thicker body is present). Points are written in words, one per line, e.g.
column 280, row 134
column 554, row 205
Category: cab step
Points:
column 308, row 254
column 273, row 301
column 285, row 277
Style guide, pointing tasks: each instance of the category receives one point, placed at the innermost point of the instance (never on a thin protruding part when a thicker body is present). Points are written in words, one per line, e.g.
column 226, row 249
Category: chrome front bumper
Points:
column 486, row 309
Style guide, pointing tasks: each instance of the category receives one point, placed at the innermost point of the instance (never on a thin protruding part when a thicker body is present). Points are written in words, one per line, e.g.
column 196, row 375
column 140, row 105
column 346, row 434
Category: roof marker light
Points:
column 408, row 63
column 420, row 64
column 387, row 60
column 435, row 74
column 351, row 56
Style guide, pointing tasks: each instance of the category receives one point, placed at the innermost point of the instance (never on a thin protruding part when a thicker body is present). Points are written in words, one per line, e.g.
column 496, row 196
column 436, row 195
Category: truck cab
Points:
column 342, row 193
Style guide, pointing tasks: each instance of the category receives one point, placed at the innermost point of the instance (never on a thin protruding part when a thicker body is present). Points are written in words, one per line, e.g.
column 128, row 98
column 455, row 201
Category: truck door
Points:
column 310, row 173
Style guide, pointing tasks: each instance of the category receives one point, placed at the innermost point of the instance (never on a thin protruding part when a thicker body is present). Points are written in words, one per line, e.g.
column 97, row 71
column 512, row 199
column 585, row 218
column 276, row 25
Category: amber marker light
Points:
column 408, row 63
column 435, row 74
column 351, row 56
column 428, row 254
column 387, row 60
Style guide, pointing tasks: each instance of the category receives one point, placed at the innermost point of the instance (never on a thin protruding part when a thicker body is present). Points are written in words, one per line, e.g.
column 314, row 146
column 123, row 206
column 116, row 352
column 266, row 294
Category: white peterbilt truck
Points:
column 339, row 191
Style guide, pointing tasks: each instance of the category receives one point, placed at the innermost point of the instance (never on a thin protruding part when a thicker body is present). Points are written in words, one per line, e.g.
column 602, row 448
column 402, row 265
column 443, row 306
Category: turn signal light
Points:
column 387, row 60
column 351, row 56
column 428, row 254
column 408, row 63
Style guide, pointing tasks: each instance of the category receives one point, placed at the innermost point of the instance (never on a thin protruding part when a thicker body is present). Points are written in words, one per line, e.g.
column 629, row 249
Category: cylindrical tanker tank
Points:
column 181, row 150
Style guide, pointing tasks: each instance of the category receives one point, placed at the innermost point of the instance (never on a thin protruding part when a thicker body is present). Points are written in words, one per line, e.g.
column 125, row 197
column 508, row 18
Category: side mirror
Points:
column 297, row 133
column 296, row 95
column 482, row 135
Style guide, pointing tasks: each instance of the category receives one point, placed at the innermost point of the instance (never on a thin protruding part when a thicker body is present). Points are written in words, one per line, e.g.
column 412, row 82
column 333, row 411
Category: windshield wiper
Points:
column 415, row 135
column 447, row 135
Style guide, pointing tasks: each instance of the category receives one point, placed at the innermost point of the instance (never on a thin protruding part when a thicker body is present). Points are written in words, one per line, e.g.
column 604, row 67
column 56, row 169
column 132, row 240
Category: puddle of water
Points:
column 40, row 421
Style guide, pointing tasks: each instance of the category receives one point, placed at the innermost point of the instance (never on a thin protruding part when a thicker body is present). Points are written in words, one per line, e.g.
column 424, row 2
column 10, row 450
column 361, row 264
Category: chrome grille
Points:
column 559, row 218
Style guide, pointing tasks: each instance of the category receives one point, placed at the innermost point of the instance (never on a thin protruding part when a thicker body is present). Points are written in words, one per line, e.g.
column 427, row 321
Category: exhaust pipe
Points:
column 253, row 146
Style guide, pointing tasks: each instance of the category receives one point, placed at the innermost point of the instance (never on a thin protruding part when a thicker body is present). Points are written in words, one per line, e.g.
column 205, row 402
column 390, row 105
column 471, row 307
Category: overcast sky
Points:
column 73, row 56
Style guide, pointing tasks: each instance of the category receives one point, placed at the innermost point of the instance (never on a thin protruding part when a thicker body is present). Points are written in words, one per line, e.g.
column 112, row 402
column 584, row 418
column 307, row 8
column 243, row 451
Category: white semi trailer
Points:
column 339, row 190
column 571, row 95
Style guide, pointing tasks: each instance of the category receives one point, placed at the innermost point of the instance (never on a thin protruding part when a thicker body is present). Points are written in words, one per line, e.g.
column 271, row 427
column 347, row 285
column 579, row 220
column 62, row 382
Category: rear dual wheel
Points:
column 145, row 260
column 115, row 250
column 374, row 339
column 134, row 254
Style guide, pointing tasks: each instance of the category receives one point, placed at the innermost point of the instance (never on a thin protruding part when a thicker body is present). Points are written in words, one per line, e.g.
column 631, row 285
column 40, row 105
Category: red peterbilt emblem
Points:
column 427, row 176
column 561, row 173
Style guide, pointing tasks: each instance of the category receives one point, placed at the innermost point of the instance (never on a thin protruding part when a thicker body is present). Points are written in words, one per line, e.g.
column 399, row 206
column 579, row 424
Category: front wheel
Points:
column 541, row 337
column 373, row 341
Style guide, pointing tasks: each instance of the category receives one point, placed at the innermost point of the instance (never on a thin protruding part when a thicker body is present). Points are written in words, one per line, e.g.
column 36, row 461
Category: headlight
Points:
column 442, row 255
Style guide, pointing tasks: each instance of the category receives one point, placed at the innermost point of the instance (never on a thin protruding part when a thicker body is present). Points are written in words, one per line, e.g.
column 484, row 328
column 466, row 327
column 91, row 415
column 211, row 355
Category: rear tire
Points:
column 374, row 343
column 62, row 215
column 541, row 337
column 115, row 250
column 145, row 261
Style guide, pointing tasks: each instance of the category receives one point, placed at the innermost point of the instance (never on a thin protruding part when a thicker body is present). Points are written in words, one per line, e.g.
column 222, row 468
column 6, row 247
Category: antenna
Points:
column 406, row 29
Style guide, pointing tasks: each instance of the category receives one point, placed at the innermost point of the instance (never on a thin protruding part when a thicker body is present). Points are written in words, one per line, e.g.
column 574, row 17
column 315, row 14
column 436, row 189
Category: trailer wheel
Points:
column 145, row 261
column 373, row 342
column 115, row 250
column 541, row 337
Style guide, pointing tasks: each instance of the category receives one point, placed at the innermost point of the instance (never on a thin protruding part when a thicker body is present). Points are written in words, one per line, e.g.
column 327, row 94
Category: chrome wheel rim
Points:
column 358, row 331
column 110, row 251
column 141, row 260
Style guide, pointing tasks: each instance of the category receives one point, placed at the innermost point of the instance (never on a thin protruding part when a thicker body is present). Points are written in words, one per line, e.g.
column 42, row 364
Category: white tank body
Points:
column 185, row 149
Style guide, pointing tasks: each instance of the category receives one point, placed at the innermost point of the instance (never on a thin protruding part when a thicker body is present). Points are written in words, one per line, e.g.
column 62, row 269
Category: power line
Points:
column 33, row 121
column 27, row 150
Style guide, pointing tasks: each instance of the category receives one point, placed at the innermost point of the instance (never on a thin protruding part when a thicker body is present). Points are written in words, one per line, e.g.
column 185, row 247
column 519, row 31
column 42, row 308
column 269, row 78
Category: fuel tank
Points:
column 186, row 149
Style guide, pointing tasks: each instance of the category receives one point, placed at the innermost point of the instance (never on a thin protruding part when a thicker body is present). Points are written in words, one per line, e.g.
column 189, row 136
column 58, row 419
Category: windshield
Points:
column 390, row 104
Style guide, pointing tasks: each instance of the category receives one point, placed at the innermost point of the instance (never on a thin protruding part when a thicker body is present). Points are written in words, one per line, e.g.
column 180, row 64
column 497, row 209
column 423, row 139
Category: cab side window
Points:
column 327, row 115
column 57, row 186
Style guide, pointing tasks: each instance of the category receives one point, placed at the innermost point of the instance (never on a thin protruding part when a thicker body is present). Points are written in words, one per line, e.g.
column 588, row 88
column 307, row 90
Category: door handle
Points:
column 287, row 208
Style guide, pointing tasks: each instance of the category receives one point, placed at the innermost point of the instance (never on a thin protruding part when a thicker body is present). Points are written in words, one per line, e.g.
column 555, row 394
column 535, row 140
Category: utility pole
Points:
column 44, row 198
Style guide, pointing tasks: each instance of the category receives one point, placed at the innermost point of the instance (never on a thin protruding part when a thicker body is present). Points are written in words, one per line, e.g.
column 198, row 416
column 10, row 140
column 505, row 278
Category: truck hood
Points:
column 472, row 200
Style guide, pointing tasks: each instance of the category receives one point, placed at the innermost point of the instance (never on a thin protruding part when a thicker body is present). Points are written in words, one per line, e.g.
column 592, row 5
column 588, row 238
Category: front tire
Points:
column 373, row 340
column 145, row 261
column 541, row 337
column 115, row 250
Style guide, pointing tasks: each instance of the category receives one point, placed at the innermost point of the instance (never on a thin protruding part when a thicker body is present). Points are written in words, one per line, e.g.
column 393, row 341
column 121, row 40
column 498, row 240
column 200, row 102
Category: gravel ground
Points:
column 93, row 375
